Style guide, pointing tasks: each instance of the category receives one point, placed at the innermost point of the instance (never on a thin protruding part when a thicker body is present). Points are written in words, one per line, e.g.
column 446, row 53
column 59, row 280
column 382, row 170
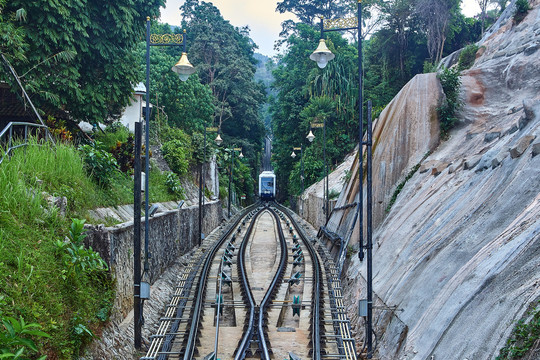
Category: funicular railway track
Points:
column 281, row 303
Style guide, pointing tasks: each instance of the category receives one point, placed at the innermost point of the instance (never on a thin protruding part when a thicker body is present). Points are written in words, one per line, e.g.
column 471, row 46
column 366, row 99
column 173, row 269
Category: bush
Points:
column 522, row 8
column 77, row 259
column 114, row 133
column 450, row 83
column 467, row 57
column 429, row 67
column 14, row 338
column 524, row 338
column 99, row 164
column 177, row 155
column 173, row 183
column 124, row 153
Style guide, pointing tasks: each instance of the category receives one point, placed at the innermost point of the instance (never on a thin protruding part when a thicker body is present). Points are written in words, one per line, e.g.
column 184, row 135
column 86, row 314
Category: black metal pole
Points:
column 147, row 149
column 325, row 181
column 230, row 183
column 137, row 237
column 369, row 238
column 302, row 167
column 199, row 241
column 204, row 176
column 360, row 139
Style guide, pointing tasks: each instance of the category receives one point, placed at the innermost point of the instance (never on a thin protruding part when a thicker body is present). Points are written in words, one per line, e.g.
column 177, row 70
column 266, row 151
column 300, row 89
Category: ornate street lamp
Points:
column 183, row 68
column 322, row 55
column 218, row 139
column 310, row 136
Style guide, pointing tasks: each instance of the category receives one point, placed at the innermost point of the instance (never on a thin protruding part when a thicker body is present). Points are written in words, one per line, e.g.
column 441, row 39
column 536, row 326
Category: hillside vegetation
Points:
column 47, row 276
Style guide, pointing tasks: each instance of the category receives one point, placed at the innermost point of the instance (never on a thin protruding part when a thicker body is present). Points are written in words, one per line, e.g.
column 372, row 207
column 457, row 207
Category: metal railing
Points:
column 8, row 133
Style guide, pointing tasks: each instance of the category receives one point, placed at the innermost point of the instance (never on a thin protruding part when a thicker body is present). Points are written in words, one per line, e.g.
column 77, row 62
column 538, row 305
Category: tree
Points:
column 307, row 11
column 100, row 37
column 224, row 59
column 308, row 94
column 436, row 15
column 12, row 42
column 483, row 7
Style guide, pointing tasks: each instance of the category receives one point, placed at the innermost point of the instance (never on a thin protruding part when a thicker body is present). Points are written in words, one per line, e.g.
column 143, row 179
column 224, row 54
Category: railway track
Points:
column 260, row 289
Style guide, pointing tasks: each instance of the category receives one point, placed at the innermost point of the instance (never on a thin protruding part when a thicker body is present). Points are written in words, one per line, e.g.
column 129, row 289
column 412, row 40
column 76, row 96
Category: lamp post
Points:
column 293, row 155
column 322, row 55
column 311, row 137
column 231, row 177
column 202, row 180
column 183, row 68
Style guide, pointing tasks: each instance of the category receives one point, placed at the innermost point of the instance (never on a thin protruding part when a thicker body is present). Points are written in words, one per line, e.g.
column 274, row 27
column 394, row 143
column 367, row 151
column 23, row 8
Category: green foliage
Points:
column 308, row 94
column 450, row 83
column 31, row 267
column 524, row 337
column 174, row 185
column 177, row 154
column 522, row 8
column 309, row 11
column 94, row 77
column 77, row 259
column 99, row 163
column 224, row 58
column 114, row 133
column 333, row 194
column 15, row 338
column 350, row 251
column 467, row 57
column 188, row 105
column 243, row 180
column 347, row 177
column 402, row 184
column 12, row 42
column 124, row 154
column 429, row 67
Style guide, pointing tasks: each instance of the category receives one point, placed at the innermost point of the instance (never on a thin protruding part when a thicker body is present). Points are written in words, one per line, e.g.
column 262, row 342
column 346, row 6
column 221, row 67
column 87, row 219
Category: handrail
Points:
column 9, row 130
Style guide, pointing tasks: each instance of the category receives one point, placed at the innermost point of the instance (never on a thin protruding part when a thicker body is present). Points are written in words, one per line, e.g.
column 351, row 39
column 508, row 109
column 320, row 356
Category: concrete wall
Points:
column 172, row 234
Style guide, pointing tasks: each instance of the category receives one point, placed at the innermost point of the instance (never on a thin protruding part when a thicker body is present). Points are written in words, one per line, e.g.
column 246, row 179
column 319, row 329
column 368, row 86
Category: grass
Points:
column 31, row 286
column 402, row 184
column 525, row 337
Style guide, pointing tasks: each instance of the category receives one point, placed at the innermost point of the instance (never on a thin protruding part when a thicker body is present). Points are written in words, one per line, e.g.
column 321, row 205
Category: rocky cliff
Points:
column 456, row 258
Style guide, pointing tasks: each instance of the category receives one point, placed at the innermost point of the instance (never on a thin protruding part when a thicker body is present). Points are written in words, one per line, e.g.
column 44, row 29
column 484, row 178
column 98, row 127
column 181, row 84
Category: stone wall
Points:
column 172, row 234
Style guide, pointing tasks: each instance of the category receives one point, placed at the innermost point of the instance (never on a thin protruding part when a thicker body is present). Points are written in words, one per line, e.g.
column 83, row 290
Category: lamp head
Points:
column 322, row 55
column 241, row 156
column 218, row 140
column 310, row 136
column 183, row 67
column 293, row 155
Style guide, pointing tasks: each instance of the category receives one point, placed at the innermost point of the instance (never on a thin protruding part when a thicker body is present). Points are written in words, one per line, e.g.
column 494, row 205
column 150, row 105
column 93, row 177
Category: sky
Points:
column 261, row 17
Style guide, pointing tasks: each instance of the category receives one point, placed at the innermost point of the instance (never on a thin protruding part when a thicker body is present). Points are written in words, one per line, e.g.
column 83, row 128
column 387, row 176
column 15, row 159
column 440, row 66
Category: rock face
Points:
column 457, row 254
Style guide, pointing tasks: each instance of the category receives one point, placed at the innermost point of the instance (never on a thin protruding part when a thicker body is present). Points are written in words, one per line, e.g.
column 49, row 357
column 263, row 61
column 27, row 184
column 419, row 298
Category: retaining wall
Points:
column 172, row 234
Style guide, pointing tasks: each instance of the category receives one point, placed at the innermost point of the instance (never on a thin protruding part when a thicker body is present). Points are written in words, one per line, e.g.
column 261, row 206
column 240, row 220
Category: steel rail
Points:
column 346, row 342
column 260, row 310
column 273, row 286
column 201, row 287
column 317, row 285
column 248, row 295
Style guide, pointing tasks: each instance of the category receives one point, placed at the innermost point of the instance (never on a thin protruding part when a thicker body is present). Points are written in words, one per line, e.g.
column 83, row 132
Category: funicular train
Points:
column 267, row 186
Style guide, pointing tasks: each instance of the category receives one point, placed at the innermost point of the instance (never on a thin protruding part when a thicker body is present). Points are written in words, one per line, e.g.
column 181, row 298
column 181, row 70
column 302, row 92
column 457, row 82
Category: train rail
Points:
column 260, row 289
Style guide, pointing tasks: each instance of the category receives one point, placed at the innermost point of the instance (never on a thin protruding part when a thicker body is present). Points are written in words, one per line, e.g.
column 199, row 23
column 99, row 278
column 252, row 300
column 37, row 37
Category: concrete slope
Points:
column 459, row 250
